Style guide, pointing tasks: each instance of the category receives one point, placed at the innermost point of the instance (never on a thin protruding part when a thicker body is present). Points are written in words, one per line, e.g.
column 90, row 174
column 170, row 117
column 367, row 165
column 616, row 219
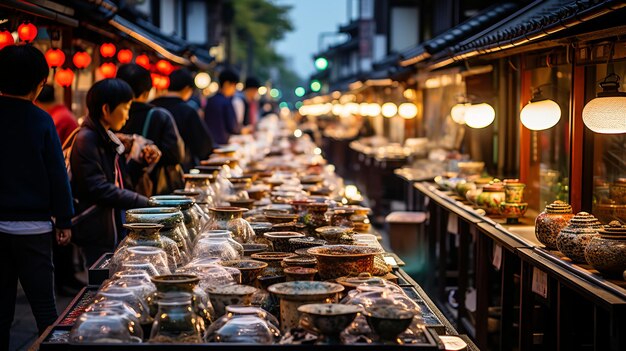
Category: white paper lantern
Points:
column 479, row 115
column 458, row 112
column 407, row 110
column 202, row 80
column 389, row 109
column 541, row 114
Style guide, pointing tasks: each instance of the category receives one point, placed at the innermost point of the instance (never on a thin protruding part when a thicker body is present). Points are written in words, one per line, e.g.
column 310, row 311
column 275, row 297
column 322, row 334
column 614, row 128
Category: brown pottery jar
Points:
column 550, row 222
column 573, row 239
column 607, row 252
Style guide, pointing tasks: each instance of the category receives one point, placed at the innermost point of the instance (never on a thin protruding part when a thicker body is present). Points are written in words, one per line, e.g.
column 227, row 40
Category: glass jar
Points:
column 231, row 218
column 106, row 326
column 176, row 321
column 209, row 272
column 185, row 205
column 202, row 183
column 236, row 311
column 135, row 302
column 173, row 226
column 187, row 284
column 151, row 260
column 549, row 223
column 226, row 234
column 215, row 247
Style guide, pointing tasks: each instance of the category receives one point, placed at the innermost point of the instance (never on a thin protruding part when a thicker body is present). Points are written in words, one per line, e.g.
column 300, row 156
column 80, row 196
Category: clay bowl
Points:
column 214, row 170
column 334, row 261
column 332, row 234
column 256, row 193
column 299, row 273
column 276, row 218
column 249, row 269
column 280, row 240
column 273, row 260
column 306, row 261
column 305, row 243
column 289, row 227
column 312, row 179
column 249, row 249
column 222, row 296
column 328, row 319
column 388, row 321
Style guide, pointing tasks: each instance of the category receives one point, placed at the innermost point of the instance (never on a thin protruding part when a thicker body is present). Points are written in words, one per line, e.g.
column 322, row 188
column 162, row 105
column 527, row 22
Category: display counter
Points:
column 509, row 291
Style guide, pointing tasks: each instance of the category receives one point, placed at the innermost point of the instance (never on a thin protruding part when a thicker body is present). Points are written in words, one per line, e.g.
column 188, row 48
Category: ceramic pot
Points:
column 574, row 238
column 260, row 228
column 231, row 218
column 315, row 217
column 463, row 187
column 332, row 234
column 342, row 218
column 513, row 211
column 173, row 225
column 607, row 252
column 243, row 203
column 388, row 321
column 273, row 260
column 280, row 240
column 295, row 294
column 513, row 191
column 549, row 223
column 300, row 208
column 205, row 184
column 328, row 320
column 490, row 198
column 222, row 296
column 469, row 168
column 334, row 261
column 305, row 243
column 305, row 261
column 276, row 218
column 249, row 249
column 299, row 273
column 249, row 269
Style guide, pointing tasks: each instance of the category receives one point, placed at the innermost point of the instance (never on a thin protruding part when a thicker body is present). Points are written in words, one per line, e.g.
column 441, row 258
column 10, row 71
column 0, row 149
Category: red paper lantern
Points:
column 64, row 77
column 125, row 56
column 107, row 50
column 81, row 59
column 143, row 61
column 160, row 82
column 6, row 39
column 55, row 57
column 164, row 67
column 27, row 32
column 108, row 70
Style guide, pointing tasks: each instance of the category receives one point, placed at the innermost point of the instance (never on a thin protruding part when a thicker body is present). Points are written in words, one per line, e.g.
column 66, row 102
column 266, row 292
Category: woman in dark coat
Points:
column 97, row 165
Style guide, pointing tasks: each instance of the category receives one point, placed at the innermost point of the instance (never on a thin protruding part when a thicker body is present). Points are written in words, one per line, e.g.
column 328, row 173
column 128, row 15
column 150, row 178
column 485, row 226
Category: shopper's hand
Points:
column 151, row 154
column 63, row 236
column 127, row 140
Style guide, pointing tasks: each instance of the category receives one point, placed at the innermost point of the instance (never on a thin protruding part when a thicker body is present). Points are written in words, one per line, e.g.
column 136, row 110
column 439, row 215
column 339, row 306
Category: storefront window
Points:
column 550, row 148
column 609, row 161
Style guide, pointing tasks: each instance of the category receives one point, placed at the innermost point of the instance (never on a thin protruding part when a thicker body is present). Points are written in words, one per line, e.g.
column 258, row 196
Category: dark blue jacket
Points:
column 33, row 180
column 219, row 116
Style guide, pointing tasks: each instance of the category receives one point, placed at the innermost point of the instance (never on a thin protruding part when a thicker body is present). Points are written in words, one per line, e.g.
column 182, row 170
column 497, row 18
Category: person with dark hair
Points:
column 251, row 94
column 63, row 118
column 35, row 197
column 198, row 141
column 156, row 124
column 97, row 165
column 219, row 114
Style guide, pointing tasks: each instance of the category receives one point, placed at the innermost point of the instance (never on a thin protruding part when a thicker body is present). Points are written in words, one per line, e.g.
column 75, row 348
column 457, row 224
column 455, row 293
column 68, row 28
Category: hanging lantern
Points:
column 108, row 70
column 125, row 56
column 458, row 112
column 55, row 57
column 164, row 67
column 374, row 110
column 6, row 39
column 64, row 77
column 81, row 59
column 107, row 50
column 202, row 80
column 389, row 109
column 606, row 114
column 407, row 110
column 479, row 115
column 540, row 113
column 143, row 61
column 160, row 82
column 27, row 32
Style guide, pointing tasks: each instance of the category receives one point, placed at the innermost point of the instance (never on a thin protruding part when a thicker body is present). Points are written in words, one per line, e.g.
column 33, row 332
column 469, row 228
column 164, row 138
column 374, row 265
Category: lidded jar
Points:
column 491, row 197
column 550, row 222
column 574, row 238
column 607, row 251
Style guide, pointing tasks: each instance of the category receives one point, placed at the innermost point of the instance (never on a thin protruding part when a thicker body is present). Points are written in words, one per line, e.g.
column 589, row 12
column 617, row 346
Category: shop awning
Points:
column 452, row 36
column 537, row 21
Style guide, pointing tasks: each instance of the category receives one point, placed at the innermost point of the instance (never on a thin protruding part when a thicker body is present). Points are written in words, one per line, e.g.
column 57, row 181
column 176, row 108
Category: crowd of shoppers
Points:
column 64, row 183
